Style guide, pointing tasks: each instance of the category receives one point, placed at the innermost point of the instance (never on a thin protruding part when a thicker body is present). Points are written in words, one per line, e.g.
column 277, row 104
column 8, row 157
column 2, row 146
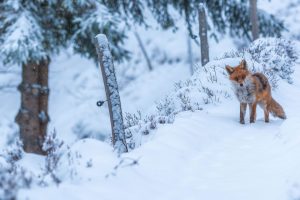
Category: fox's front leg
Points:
column 252, row 107
column 243, row 107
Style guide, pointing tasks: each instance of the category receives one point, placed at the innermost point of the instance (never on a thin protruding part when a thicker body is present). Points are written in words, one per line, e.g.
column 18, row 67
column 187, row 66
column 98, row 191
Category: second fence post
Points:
column 203, row 34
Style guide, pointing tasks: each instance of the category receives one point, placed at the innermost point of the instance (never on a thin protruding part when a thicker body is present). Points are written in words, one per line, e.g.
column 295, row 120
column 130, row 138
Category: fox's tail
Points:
column 276, row 109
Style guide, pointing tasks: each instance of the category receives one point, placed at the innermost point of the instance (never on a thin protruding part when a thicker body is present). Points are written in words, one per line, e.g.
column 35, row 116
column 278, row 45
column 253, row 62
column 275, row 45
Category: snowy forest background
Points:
column 180, row 115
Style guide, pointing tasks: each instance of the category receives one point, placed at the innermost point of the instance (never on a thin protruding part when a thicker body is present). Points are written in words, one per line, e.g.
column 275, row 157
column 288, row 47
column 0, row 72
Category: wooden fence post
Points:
column 190, row 54
column 112, row 93
column 254, row 19
column 203, row 34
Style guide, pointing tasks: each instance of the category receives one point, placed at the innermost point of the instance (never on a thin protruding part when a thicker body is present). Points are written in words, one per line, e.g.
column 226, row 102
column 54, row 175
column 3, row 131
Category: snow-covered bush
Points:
column 81, row 160
column 13, row 152
column 13, row 178
column 209, row 84
column 52, row 146
column 275, row 57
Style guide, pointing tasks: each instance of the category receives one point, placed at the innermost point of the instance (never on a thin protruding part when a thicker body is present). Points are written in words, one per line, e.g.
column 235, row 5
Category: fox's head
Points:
column 239, row 73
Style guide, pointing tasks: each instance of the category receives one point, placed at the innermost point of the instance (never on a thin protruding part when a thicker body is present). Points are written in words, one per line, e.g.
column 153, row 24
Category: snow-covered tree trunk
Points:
column 254, row 19
column 32, row 117
column 144, row 51
column 112, row 93
column 203, row 34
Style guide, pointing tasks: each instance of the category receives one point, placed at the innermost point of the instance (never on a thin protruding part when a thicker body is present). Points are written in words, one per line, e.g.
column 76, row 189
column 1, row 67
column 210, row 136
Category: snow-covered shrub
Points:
column 208, row 85
column 166, row 107
column 81, row 160
column 275, row 57
column 124, row 162
column 13, row 152
column 132, row 119
column 13, row 178
column 52, row 146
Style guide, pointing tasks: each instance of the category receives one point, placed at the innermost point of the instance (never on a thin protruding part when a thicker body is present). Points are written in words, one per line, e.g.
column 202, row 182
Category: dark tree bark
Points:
column 44, row 96
column 32, row 117
column 112, row 93
column 203, row 35
column 254, row 19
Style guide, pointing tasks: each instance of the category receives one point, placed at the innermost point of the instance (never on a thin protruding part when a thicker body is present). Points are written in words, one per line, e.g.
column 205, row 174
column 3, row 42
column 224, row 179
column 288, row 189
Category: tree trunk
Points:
column 32, row 117
column 44, row 96
column 190, row 54
column 203, row 35
column 112, row 93
column 254, row 19
column 144, row 51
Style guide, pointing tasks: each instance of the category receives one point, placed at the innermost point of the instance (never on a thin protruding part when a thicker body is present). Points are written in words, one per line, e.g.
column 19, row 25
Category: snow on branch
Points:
column 22, row 39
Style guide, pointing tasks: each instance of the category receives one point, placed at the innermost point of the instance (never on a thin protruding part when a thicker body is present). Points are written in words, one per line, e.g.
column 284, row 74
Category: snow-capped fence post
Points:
column 112, row 93
column 254, row 19
column 203, row 34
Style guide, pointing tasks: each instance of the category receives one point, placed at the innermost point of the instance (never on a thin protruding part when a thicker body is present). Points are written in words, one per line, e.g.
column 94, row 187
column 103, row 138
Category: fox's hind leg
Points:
column 266, row 112
column 252, row 107
column 243, row 107
column 263, row 106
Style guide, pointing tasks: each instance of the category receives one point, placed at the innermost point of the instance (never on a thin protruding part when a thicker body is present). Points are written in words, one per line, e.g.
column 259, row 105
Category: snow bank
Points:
column 275, row 57
column 208, row 85
column 79, row 162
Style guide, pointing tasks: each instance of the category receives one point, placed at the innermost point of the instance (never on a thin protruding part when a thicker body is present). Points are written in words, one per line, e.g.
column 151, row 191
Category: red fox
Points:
column 253, row 89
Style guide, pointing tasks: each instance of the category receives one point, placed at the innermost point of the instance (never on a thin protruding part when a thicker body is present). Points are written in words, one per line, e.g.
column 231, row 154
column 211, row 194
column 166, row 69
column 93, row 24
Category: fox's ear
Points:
column 229, row 69
column 243, row 64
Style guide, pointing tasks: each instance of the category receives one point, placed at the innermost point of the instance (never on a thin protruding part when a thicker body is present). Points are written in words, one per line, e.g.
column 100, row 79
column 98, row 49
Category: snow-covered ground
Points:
column 203, row 155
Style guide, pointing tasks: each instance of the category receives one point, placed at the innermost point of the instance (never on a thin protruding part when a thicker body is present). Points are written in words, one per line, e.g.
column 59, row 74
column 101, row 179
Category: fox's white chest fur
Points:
column 245, row 93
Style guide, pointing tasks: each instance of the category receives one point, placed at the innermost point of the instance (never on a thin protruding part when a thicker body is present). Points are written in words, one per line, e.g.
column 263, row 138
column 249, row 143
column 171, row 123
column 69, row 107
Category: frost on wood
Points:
column 112, row 93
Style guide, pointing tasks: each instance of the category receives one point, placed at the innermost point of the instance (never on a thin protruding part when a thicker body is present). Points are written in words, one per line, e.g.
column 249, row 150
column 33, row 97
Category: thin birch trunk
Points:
column 144, row 51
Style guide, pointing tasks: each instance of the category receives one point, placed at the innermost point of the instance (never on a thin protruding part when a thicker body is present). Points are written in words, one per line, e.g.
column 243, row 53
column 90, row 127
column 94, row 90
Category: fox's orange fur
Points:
column 253, row 89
